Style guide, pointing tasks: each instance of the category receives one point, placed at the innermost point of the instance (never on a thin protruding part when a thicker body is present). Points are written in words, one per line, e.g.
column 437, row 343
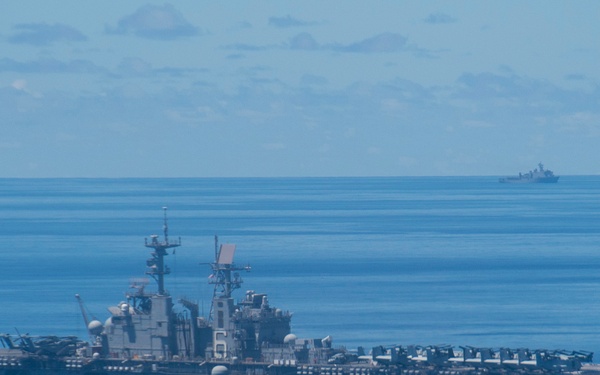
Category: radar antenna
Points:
column 156, row 265
column 223, row 276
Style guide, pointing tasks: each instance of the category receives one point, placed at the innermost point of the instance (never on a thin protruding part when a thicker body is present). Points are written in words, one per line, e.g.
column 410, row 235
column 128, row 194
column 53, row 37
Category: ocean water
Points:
column 368, row 261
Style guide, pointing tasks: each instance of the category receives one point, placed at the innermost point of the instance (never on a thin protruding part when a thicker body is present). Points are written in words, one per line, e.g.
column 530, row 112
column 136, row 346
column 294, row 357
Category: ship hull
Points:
column 537, row 176
column 517, row 180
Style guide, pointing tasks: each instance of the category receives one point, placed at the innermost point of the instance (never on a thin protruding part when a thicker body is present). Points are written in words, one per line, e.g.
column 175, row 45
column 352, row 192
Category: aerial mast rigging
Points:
column 156, row 265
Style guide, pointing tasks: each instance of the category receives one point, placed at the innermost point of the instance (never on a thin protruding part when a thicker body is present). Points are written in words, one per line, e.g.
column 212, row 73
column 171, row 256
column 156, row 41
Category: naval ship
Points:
column 540, row 175
column 151, row 333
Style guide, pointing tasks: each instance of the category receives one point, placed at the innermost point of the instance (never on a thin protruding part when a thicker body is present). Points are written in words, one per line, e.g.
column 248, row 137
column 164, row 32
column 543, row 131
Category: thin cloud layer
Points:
column 287, row 21
column 400, row 114
column 381, row 43
column 304, row 41
column 439, row 18
column 385, row 90
column 43, row 34
column 155, row 22
column 49, row 65
column 386, row 42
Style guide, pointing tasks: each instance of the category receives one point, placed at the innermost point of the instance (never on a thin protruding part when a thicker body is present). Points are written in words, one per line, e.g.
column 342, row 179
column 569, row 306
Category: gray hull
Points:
column 536, row 176
column 523, row 180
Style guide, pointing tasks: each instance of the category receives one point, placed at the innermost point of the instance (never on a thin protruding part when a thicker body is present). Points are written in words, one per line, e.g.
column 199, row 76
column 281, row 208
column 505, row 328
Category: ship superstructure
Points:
column 150, row 333
column 146, row 325
column 241, row 330
column 538, row 175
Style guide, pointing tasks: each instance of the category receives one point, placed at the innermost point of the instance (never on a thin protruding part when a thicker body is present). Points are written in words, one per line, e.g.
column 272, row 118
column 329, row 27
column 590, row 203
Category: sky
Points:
column 308, row 88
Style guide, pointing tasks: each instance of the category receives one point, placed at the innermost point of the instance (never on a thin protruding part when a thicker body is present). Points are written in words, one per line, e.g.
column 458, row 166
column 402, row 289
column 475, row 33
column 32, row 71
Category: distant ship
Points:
column 540, row 175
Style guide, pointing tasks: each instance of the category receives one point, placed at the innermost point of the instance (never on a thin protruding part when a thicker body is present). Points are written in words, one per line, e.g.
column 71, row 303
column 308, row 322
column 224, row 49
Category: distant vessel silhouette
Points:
column 540, row 175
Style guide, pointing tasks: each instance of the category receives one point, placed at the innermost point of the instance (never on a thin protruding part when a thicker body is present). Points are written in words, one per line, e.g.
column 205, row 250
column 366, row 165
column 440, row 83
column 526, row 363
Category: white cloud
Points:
column 155, row 22
column 381, row 43
column 354, row 84
column 43, row 34
column 21, row 85
column 287, row 21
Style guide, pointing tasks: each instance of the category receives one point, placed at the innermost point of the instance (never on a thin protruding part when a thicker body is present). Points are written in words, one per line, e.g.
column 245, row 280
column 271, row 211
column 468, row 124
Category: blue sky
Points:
column 298, row 88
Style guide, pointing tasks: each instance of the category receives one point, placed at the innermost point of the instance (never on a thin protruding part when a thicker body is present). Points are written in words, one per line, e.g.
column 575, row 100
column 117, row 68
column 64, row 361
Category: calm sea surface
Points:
column 369, row 261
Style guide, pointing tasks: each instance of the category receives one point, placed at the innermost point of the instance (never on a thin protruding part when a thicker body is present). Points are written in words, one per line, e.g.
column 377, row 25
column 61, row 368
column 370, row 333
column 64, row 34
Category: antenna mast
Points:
column 223, row 276
column 156, row 265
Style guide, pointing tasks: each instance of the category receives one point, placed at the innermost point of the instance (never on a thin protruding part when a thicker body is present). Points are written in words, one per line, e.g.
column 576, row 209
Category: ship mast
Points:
column 224, row 276
column 156, row 265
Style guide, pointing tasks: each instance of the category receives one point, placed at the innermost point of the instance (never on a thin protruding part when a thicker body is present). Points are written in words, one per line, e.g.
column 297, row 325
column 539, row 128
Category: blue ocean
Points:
column 368, row 261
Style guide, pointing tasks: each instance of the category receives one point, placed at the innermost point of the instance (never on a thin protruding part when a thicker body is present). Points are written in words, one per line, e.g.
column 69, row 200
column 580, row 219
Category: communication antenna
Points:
column 224, row 276
column 156, row 265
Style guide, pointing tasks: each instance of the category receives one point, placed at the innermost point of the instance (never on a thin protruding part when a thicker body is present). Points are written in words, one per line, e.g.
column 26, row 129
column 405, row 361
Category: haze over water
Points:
column 369, row 261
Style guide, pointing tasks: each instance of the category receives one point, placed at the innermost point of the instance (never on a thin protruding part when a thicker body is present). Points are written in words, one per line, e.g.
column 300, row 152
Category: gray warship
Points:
column 540, row 175
column 151, row 333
